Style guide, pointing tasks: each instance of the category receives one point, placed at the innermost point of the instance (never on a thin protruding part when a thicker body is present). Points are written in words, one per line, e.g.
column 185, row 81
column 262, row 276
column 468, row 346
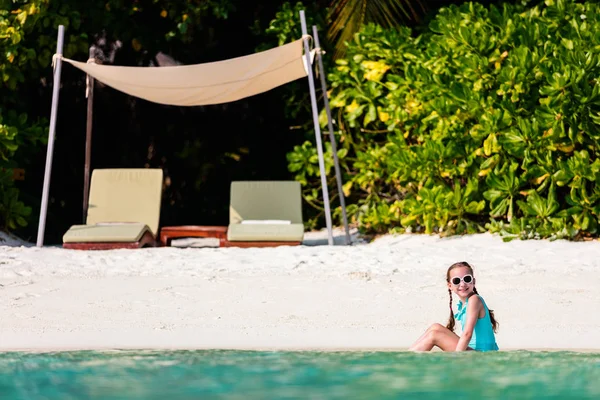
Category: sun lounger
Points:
column 123, row 212
column 265, row 213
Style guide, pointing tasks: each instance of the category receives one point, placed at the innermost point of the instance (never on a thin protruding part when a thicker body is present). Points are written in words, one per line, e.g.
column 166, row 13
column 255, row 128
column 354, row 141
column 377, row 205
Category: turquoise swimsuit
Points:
column 483, row 338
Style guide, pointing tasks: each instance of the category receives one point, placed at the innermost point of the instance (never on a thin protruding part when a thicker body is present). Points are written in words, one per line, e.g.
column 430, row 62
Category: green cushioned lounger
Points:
column 105, row 233
column 124, row 205
column 272, row 208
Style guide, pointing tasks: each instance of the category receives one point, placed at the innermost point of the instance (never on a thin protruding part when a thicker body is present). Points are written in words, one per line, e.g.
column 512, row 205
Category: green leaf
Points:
column 371, row 115
column 490, row 145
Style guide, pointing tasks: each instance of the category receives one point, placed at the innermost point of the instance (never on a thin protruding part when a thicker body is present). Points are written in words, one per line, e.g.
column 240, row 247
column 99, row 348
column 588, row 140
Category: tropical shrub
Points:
column 16, row 20
column 489, row 120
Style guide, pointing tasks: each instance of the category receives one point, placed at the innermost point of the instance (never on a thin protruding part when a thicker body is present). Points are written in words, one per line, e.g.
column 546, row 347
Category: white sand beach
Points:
column 379, row 295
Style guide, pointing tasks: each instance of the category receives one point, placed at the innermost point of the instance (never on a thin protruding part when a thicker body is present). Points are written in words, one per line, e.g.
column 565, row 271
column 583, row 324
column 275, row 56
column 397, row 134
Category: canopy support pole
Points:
column 88, row 138
column 315, row 113
column 336, row 162
column 51, row 133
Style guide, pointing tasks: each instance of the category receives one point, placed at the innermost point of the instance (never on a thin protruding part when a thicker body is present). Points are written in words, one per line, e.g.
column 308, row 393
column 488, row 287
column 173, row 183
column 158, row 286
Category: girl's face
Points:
column 457, row 282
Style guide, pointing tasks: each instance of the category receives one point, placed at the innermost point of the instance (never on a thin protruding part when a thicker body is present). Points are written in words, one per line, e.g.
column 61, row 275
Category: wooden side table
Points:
column 171, row 232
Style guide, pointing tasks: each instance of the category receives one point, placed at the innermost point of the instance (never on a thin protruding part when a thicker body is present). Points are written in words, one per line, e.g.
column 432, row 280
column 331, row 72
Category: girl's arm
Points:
column 473, row 309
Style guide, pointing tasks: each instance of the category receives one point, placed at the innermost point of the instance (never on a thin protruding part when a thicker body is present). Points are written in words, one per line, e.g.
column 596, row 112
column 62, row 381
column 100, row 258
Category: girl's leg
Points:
column 436, row 335
column 421, row 338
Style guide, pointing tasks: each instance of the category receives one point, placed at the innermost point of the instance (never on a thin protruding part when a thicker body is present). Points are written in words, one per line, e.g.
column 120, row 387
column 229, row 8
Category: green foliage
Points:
column 286, row 24
column 491, row 119
column 17, row 58
column 13, row 212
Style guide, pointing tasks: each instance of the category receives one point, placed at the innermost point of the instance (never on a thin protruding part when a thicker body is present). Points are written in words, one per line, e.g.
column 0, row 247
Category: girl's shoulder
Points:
column 475, row 301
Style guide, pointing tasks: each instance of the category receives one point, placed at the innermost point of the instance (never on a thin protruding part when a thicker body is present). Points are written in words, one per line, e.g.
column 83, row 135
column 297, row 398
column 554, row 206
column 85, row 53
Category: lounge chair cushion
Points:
column 105, row 232
column 265, row 200
column 126, row 195
column 265, row 232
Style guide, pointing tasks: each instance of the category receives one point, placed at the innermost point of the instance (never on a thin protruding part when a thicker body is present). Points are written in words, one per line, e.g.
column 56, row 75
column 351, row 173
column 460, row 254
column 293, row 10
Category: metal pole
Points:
column 315, row 113
column 336, row 162
column 88, row 139
column 50, row 150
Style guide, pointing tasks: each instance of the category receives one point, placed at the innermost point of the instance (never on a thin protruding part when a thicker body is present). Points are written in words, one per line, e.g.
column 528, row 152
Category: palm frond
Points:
column 348, row 16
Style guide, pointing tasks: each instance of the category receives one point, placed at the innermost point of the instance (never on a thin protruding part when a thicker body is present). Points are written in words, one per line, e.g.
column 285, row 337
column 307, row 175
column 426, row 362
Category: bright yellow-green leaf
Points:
column 347, row 188
column 374, row 69
column 338, row 101
column 490, row 145
column 323, row 118
column 567, row 43
column 565, row 148
column 383, row 116
column 371, row 115
column 484, row 172
column 33, row 9
column 352, row 106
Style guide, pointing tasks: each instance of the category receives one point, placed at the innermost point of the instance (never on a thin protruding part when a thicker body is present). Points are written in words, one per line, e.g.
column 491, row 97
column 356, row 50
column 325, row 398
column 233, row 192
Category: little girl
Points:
column 478, row 322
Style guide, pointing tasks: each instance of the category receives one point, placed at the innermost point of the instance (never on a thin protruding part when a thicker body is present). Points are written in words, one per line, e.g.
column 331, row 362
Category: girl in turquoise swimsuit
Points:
column 478, row 322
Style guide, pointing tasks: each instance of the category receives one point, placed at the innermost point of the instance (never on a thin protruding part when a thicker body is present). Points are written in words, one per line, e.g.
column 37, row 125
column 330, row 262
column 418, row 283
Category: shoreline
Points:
column 276, row 350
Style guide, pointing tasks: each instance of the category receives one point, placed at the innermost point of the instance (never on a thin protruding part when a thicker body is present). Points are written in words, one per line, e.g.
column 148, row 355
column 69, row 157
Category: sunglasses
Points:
column 466, row 279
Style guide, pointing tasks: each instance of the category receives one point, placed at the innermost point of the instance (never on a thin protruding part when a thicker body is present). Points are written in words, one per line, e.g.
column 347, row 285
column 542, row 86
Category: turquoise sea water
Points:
column 298, row 375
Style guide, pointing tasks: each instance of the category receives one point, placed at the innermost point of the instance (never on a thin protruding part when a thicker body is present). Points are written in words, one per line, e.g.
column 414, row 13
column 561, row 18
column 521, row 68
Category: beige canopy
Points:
column 204, row 84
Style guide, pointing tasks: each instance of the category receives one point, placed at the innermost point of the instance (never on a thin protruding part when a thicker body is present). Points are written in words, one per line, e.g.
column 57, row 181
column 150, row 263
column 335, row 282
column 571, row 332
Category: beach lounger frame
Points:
column 264, row 214
column 123, row 213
